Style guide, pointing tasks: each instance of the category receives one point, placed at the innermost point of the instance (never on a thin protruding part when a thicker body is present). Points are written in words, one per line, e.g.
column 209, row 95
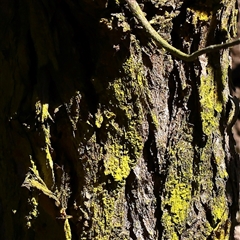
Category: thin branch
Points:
column 138, row 13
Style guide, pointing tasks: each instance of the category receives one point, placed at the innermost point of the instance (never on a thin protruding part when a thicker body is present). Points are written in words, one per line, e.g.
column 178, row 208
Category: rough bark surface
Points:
column 105, row 136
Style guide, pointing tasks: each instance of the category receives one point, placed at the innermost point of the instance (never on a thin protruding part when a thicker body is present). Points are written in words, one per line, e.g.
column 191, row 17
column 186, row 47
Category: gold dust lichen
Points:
column 209, row 103
column 117, row 162
column 178, row 189
column 201, row 16
column 103, row 217
column 98, row 119
column 120, row 124
column 124, row 146
column 179, row 201
column 219, row 210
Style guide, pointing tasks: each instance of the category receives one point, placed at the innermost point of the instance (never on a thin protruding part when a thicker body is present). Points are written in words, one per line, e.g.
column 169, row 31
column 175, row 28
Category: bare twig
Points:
column 137, row 12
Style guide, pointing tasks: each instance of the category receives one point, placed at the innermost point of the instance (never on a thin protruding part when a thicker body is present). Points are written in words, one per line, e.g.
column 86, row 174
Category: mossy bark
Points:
column 105, row 136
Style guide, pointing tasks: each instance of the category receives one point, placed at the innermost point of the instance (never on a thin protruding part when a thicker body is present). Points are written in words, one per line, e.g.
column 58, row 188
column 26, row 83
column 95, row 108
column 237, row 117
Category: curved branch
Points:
column 138, row 13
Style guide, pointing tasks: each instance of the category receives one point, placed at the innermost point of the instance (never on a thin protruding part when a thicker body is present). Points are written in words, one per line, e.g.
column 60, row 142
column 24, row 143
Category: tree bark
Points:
column 106, row 136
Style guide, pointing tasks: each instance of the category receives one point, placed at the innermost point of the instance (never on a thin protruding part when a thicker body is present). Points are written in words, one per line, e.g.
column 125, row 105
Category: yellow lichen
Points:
column 67, row 230
column 98, row 119
column 209, row 102
column 179, row 200
column 109, row 114
column 104, row 219
column 117, row 162
column 121, row 125
column 200, row 16
column 45, row 113
column 34, row 204
column 219, row 209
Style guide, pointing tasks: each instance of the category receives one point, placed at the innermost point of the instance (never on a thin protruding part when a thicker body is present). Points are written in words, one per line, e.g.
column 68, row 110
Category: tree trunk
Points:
column 106, row 136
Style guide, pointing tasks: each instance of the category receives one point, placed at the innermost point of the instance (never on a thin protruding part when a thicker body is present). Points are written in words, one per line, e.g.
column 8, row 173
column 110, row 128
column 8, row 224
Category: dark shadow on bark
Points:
column 154, row 166
column 131, row 203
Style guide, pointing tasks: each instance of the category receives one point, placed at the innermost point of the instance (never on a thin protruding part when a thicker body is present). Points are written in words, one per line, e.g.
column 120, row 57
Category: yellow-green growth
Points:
column 98, row 119
column 212, row 110
column 106, row 217
column 117, row 162
column 67, row 230
column 33, row 214
column 42, row 153
column 211, row 106
column 219, row 210
column 177, row 200
column 121, row 126
column 200, row 16
column 124, row 146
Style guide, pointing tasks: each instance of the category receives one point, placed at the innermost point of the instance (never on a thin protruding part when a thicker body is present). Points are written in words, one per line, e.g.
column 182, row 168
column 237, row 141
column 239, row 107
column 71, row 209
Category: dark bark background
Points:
column 106, row 136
